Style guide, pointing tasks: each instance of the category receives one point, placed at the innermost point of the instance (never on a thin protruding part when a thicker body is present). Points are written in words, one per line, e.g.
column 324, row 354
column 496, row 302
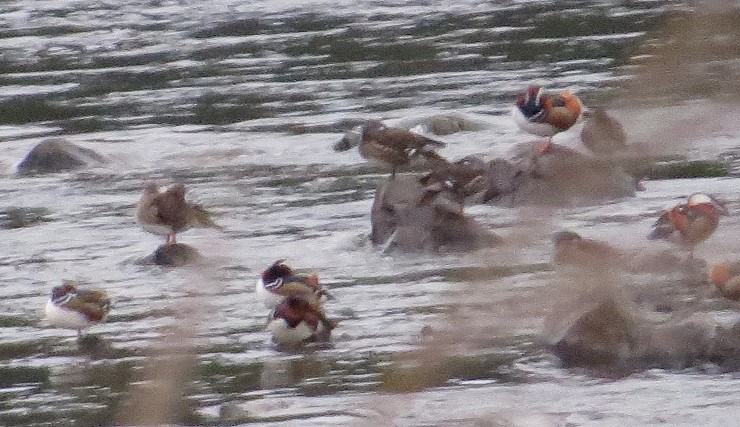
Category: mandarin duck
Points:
column 726, row 277
column 603, row 134
column 461, row 179
column 295, row 320
column 167, row 213
column 543, row 114
column 690, row 223
column 396, row 147
column 72, row 308
column 279, row 281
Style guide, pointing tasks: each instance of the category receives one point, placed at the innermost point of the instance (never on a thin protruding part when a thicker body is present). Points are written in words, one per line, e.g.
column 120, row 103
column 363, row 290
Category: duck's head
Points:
column 277, row 270
column 706, row 205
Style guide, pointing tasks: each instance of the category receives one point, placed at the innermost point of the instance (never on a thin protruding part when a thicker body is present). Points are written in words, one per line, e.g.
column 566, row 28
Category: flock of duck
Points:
column 295, row 301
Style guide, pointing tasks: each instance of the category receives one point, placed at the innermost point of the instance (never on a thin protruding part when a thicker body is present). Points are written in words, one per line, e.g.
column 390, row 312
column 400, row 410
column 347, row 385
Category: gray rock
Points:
column 176, row 255
column 561, row 176
column 57, row 155
column 603, row 335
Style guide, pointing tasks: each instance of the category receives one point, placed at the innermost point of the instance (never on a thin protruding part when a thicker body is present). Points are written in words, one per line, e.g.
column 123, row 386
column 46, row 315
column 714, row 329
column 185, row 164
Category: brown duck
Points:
column 571, row 248
column 396, row 147
column 296, row 320
column 69, row 307
column 602, row 134
column 167, row 213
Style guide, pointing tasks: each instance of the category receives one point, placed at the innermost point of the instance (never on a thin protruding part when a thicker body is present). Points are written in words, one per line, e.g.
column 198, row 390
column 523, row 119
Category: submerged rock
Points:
column 176, row 255
column 57, row 155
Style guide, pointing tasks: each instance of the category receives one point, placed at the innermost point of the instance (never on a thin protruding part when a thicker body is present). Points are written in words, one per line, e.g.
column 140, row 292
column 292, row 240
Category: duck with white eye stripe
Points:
column 280, row 281
column 73, row 308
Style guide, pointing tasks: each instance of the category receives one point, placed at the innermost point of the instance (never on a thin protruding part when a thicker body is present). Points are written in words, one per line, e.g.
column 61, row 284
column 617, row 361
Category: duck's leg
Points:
column 543, row 147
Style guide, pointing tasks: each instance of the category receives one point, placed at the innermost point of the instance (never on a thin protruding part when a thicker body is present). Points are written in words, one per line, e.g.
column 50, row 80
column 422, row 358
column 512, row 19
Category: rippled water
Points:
column 242, row 101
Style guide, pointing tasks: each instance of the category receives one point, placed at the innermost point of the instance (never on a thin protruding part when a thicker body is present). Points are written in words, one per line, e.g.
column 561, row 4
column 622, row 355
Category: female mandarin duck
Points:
column 726, row 277
column 546, row 115
column 396, row 147
column 279, row 281
column 603, row 134
column 168, row 213
column 72, row 308
column 460, row 179
column 690, row 223
column 295, row 320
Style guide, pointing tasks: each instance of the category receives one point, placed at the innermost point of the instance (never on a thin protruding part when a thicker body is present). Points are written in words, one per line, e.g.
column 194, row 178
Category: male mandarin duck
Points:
column 546, row 115
column 167, row 213
column 726, row 277
column 295, row 320
column 279, row 281
column 396, row 147
column 72, row 308
column 690, row 223
column 571, row 248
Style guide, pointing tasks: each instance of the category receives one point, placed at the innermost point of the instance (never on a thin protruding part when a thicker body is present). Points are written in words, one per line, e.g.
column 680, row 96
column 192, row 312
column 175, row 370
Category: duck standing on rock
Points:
column 542, row 114
column 396, row 147
column 690, row 223
column 167, row 213
column 72, row 308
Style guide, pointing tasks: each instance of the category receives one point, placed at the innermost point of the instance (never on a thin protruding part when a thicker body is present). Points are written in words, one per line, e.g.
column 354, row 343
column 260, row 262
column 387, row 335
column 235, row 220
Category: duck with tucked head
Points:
column 603, row 134
column 690, row 223
column 167, row 213
column 726, row 277
column 296, row 320
column 396, row 147
column 72, row 308
column 571, row 248
column 543, row 114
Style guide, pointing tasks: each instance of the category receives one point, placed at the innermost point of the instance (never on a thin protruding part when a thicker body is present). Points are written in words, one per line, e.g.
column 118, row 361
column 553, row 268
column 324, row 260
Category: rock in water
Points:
column 604, row 335
column 57, row 155
column 176, row 255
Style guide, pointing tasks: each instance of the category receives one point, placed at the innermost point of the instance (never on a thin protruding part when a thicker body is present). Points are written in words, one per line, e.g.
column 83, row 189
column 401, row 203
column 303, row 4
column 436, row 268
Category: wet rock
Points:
column 176, row 255
column 619, row 335
column 57, row 155
column 603, row 335
column 232, row 413
column 561, row 176
column 403, row 219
